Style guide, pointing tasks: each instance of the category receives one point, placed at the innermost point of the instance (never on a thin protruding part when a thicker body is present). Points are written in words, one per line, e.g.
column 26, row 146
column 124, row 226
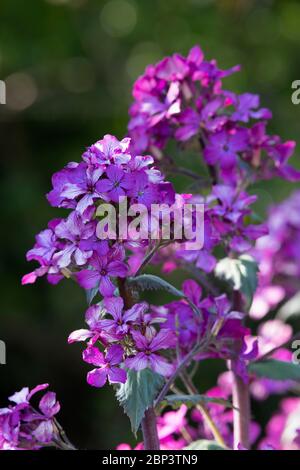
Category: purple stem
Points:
column 149, row 429
column 240, row 396
column 241, row 412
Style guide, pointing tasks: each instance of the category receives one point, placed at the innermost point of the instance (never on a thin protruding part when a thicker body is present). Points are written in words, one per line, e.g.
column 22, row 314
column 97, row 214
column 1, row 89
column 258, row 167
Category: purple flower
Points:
column 224, row 147
column 147, row 347
column 121, row 321
column 102, row 269
column 107, row 366
column 23, row 427
column 43, row 251
column 73, row 173
column 84, row 188
column 116, row 184
column 246, row 107
column 158, row 110
column 141, row 190
column 172, row 68
column 96, row 332
column 45, row 246
column 108, row 150
column 73, row 231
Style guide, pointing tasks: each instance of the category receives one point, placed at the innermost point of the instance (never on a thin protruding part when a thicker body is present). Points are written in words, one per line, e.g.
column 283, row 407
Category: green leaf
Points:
column 241, row 273
column 191, row 400
column 204, row 444
column 276, row 370
column 152, row 282
column 138, row 394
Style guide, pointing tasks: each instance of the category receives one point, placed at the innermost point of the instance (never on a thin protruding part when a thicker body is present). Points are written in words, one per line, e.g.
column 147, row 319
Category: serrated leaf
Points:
column 138, row 394
column 192, row 400
column 152, row 282
column 241, row 273
column 276, row 370
column 204, row 444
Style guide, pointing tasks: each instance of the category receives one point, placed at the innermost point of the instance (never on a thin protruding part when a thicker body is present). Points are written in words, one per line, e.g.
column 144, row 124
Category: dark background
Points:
column 69, row 66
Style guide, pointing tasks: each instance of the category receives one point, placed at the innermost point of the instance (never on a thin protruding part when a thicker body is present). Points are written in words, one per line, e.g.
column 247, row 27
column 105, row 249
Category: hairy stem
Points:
column 149, row 427
column 240, row 396
column 241, row 412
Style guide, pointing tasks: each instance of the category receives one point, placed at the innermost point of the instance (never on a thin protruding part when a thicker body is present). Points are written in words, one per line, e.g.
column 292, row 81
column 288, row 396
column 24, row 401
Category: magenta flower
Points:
column 107, row 366
column 103, row 268
column 147, row 348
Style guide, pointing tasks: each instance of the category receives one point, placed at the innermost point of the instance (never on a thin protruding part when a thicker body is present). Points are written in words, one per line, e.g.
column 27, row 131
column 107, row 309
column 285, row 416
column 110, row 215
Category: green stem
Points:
column 204, row 411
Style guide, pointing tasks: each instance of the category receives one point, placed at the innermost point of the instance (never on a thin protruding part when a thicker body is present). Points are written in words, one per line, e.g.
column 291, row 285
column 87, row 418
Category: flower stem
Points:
column 149, row 427
column 240, row 396
column 241, row 412
column 204, row 411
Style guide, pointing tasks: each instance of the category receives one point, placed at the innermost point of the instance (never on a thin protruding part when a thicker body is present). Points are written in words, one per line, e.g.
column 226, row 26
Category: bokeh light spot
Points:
column 22, row 91
column 118, row 17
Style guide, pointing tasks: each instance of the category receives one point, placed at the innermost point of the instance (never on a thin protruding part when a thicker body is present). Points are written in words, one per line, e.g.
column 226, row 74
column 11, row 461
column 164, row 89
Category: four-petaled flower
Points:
column 147, row 348
column 107, row 365
column 103, row 268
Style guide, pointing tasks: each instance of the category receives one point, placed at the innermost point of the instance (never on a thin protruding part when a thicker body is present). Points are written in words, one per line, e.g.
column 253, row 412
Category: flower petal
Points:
column 117, row 375
column 97, row 377
column 138, row 362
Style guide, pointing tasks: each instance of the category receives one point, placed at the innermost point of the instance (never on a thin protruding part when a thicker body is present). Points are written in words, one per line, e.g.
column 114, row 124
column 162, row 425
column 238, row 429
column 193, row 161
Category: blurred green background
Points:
column 69, row 66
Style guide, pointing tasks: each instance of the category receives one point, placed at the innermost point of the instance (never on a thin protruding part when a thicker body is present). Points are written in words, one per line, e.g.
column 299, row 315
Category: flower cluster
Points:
column 70, row 247
column 22, row 427
column 226, row 227
column 136, row 337
column 179, row 99
column 278, row 254
column 130, row 338
column 182, row 99
column 217, row 327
